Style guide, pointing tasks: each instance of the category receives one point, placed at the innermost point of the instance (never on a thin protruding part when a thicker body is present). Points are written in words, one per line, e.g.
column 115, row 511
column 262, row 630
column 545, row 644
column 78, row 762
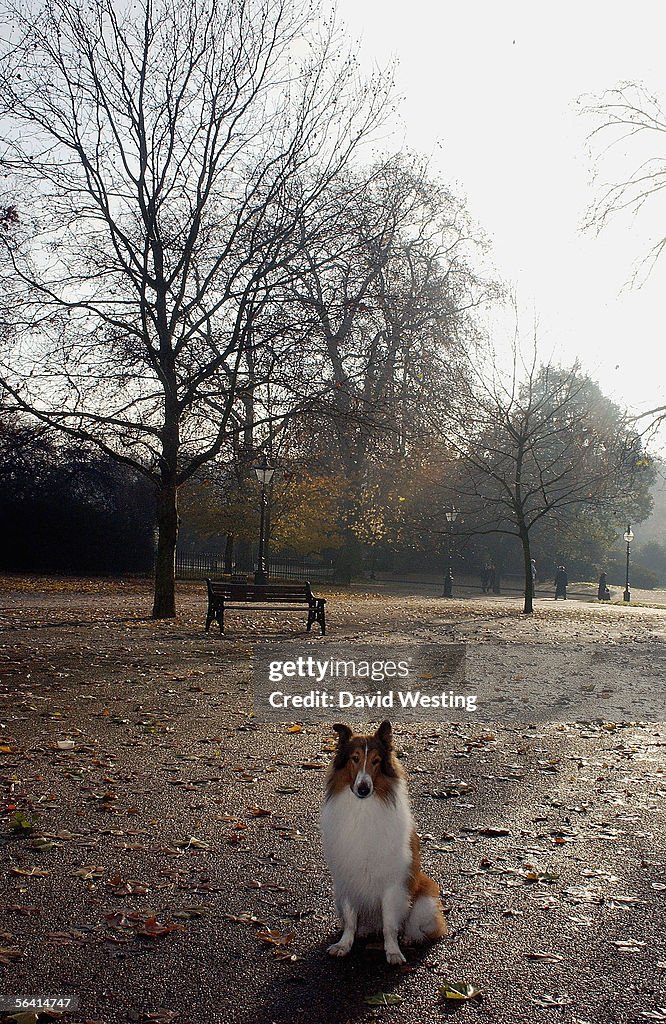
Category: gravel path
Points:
column 174, row 871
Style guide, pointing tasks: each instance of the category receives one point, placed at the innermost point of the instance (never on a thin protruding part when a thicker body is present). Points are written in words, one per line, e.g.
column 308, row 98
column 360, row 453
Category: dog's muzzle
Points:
column 362, row 786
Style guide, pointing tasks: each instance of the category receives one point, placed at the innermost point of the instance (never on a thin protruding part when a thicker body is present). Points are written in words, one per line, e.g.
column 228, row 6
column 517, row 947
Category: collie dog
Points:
column 372, row 850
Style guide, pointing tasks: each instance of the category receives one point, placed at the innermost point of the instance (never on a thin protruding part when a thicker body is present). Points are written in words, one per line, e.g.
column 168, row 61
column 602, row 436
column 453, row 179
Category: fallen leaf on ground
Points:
column 21, row 823
column 488, row 831
column 259, row 812
column 247, row 918
column 272, row 937
column 187, row 913
column 452, row 788
column 534, row 875
column 127, row 887
column 9, row 953
column 459, row 991
column 548, row 958
column 629, row 945
column 154, row 929
column 158, row 1016
column 552, row 1000
column 192, row 843
column 384, row 999
column 87, row 873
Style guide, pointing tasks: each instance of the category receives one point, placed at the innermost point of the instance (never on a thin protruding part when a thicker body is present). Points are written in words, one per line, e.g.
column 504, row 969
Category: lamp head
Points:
column 264, row 472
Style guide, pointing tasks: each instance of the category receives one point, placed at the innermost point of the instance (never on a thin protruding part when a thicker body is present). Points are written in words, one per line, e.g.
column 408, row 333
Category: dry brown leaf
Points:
column 154, row 929
column 272, row 937
column 259, row 812
column 9, row 953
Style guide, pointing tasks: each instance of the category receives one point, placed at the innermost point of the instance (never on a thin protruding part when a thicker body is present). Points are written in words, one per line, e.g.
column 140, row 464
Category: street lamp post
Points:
column 451, row 516
column 628, row 537
column 264, row 476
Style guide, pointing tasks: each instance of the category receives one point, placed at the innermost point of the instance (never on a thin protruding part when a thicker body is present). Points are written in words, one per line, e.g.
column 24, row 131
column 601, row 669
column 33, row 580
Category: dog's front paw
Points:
column 339, row 949
column 394, row 957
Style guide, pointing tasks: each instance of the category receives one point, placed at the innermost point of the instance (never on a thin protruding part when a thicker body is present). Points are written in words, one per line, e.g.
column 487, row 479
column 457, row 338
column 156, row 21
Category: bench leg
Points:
column 317, row 613
column 215, row 612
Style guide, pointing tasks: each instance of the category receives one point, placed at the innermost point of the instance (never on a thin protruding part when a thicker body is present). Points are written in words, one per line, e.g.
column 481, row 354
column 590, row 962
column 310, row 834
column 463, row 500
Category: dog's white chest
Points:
column 367, row 844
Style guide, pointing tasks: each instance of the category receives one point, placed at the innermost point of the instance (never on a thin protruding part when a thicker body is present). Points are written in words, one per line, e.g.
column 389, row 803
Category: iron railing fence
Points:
column 200, row 565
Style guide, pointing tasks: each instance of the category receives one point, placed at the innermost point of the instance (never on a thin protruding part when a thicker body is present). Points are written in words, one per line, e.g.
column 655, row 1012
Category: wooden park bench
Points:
column 285, row 597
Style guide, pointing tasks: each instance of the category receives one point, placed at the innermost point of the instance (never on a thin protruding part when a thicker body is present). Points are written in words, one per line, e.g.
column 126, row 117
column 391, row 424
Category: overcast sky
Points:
column 490, row 93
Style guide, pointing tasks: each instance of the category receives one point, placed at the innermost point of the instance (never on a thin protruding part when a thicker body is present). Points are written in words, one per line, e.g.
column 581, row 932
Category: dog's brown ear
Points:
column 344, row 734
column 385, row 735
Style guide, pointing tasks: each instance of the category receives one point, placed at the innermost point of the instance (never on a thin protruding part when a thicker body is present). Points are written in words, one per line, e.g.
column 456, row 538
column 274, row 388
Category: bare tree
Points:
column 388, row 283
column 629, row 134
column 388, row 286
column 631, row 126
column 538, row 444
column 169, row 151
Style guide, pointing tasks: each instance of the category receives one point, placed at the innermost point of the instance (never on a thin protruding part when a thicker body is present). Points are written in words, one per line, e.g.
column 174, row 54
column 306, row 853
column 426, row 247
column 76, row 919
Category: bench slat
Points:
column 252, row 593
column 258, row 608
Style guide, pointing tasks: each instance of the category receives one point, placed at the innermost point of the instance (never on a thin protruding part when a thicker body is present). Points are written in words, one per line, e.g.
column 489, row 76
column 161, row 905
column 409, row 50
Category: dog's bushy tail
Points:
column 426, row 921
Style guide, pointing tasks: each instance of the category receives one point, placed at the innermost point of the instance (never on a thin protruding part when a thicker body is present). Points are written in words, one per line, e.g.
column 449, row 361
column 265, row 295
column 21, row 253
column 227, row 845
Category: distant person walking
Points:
column 533, row 573
column 561, row 582
column 485, row 578
column 603, row 593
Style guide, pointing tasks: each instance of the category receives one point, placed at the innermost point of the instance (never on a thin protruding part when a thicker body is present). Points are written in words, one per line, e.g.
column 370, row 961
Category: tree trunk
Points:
column 528, row 607
column 244, row 560
column 349, row 558
column 229, row 554
column 164, row 603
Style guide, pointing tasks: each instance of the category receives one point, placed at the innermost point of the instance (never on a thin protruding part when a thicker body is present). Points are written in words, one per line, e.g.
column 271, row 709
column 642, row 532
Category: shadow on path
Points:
column 330, row 990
